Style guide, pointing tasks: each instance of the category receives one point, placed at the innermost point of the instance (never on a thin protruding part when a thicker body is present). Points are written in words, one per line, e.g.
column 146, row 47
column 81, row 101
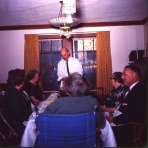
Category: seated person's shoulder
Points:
column 140, row 88
column 90, row 99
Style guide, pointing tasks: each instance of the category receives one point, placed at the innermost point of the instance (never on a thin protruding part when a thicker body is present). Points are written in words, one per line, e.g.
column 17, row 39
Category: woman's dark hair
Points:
column 31, row 74
column 15, row 77
column 117, row 76
column 75, row 85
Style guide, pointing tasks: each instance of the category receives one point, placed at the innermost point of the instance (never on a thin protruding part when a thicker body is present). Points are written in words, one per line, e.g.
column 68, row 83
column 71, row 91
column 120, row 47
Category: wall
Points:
column 146, row 35
column 123, row 40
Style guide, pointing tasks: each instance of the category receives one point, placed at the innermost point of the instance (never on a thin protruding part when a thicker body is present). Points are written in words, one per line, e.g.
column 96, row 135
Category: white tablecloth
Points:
column 107, row 136
column 29, row 135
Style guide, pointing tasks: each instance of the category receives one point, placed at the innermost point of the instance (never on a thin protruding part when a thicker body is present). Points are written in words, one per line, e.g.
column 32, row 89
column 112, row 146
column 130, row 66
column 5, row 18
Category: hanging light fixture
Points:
column 65, row 20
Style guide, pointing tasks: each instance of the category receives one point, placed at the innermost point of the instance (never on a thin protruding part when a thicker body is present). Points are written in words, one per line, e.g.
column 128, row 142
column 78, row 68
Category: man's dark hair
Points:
column 75, row 85
column 134, row 68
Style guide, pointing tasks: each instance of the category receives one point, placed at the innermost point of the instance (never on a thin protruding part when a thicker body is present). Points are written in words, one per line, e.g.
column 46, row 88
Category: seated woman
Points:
column 32, row 87
column 17, row 104
column 117, row 93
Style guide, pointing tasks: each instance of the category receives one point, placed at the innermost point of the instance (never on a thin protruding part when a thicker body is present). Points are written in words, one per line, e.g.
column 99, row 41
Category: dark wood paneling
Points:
column 49, row 37
column 86, row 35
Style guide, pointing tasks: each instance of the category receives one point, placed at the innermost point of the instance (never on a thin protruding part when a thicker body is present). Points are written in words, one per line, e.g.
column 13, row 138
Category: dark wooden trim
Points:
column 49, row 37
column 85, row 35
column 25, row 27
column 121, row 23
column 92, row 24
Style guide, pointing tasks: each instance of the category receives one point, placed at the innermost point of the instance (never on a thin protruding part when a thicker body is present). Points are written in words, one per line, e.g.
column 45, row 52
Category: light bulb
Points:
column 69, row 19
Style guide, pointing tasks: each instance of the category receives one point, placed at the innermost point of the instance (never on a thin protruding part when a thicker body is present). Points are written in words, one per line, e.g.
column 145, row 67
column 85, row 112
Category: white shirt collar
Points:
column 133, row 85
column 68, row 59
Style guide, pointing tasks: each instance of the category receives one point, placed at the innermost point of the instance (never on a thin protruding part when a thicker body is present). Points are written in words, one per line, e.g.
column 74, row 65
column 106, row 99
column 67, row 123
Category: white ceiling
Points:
column 39, row 12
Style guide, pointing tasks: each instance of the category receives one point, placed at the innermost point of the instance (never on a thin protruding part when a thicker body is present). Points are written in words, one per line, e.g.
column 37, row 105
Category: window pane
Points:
column 89, row 44
column 80, row 45
column 45, row 46
column 85, row 50
column 56, row 45
column 50, row 55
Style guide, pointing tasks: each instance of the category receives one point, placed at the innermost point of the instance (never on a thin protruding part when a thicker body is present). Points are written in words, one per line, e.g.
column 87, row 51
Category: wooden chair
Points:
column 138, row 133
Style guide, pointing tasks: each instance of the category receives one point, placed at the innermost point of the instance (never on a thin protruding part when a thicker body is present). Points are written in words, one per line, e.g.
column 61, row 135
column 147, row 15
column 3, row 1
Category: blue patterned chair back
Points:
column 66, row 130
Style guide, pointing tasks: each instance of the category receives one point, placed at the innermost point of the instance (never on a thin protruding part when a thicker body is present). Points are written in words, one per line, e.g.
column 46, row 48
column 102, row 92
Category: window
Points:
column 50, row 55
column 85, row 50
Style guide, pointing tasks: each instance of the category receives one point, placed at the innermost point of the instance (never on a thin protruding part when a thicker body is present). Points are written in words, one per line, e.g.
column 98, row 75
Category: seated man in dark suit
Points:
column 134, row 106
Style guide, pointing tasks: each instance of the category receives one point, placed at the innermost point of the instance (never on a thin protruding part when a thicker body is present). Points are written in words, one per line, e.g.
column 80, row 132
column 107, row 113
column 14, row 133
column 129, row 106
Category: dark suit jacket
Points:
column 18, row 108
column 135, row 110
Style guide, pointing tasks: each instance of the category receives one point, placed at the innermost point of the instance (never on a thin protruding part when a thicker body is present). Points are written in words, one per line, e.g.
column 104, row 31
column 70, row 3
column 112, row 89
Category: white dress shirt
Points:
column 74, row 65
column 131, row 87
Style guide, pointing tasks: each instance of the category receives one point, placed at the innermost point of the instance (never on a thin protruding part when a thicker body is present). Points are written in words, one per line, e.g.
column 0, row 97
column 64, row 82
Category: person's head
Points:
column 33, row 75
column 75, row 85
column 65, row 53
column 131, row 74
column 117, row 79
column 16, row 78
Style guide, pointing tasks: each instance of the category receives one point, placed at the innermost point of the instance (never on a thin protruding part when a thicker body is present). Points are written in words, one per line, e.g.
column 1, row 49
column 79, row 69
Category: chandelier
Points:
column 65, row 20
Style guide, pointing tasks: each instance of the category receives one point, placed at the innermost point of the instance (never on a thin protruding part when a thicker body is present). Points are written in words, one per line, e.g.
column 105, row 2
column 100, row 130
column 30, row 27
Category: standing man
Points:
column 68, row 65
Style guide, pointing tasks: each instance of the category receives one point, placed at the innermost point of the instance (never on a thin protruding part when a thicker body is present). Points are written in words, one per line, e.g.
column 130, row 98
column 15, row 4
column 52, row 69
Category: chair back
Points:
column 66, row 130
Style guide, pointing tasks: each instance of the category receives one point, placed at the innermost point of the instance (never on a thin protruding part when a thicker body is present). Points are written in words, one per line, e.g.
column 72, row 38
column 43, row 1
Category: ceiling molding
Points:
column 121, row 23
column 92, row 24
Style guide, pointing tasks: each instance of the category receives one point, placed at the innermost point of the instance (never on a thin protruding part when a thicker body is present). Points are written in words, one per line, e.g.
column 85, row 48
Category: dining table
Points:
column 30, row 134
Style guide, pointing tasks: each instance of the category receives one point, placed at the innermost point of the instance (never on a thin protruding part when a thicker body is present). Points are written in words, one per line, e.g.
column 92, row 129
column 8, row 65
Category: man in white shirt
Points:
column 68, row 65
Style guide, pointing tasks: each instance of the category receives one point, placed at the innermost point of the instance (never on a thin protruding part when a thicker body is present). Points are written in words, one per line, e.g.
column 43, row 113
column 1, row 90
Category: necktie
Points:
column 67, row 67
